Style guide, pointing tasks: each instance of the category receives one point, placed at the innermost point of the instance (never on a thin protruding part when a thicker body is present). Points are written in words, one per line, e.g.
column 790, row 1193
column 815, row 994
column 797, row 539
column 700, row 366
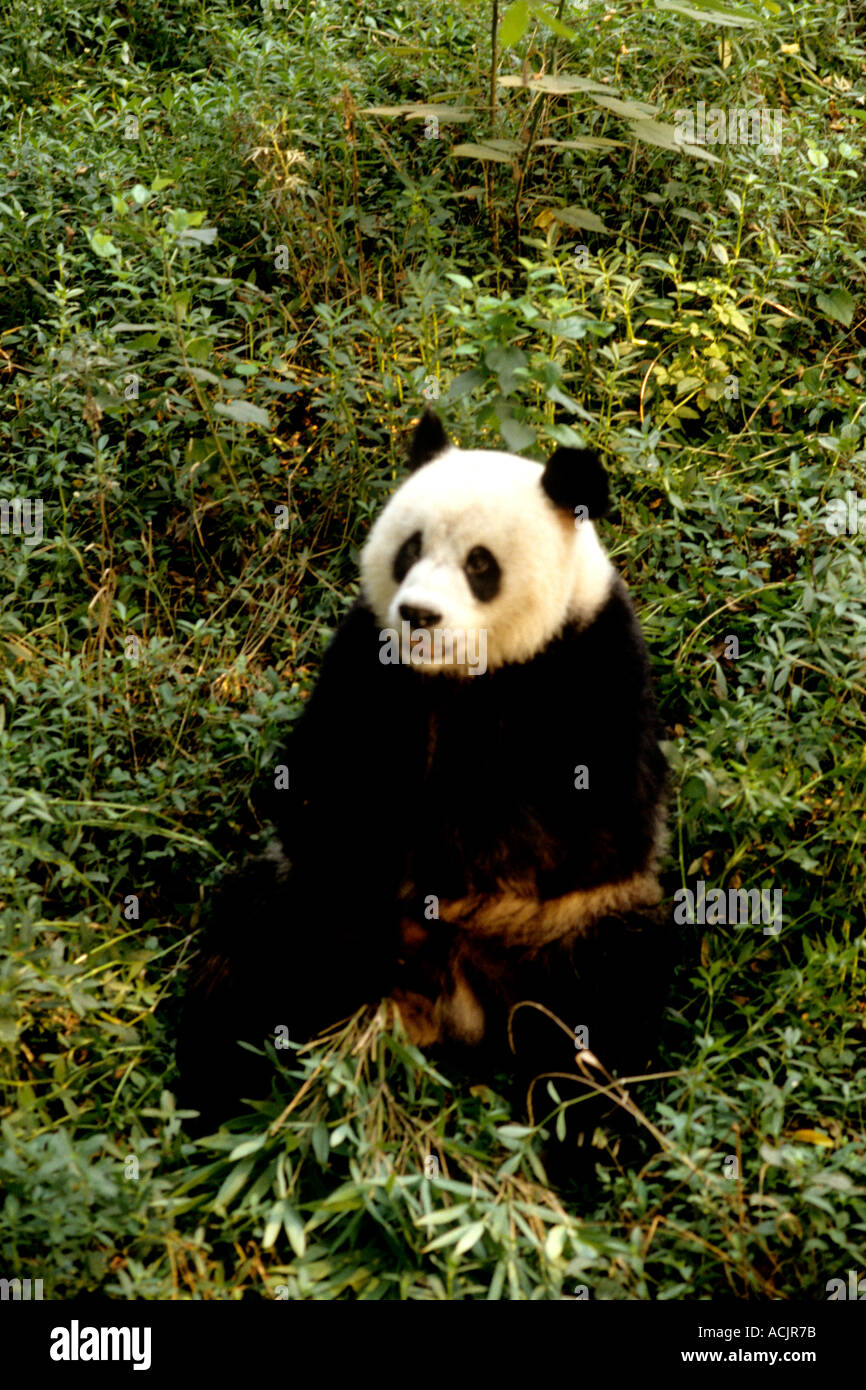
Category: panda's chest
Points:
column 475, row 800
column 473, row 756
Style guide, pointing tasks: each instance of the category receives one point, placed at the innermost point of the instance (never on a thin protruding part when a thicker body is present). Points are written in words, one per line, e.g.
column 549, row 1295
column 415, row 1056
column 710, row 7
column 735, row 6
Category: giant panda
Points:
column 474, row 815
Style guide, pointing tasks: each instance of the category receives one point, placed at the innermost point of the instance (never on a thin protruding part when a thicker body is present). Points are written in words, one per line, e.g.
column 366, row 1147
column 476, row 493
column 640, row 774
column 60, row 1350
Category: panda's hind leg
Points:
column 602, row 994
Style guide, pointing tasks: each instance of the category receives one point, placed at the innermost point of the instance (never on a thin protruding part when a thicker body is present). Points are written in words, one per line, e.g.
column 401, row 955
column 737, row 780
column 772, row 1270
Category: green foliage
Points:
column 240, row 244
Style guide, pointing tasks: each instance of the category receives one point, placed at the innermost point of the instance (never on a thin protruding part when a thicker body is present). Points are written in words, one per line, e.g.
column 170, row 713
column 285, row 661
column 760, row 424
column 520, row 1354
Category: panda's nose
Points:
column 419, row 617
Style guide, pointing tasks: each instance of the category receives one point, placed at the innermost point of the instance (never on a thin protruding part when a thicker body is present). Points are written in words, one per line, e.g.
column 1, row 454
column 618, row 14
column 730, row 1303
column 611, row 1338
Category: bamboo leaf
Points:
column 709, row 14
column 513, row 24
column 578, row 217
column 472, row 151
column 559, row 86
column 666, row 137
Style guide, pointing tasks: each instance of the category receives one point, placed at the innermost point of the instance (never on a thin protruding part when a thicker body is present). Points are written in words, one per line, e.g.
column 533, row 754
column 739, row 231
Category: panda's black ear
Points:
column 576, row 478
column 428, row 440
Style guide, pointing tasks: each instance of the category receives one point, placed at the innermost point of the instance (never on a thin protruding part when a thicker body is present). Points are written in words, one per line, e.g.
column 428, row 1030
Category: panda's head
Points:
column 487, row 550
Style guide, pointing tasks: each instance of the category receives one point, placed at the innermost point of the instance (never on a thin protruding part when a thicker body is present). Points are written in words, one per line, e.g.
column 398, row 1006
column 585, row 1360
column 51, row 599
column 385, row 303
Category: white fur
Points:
column 553, row 570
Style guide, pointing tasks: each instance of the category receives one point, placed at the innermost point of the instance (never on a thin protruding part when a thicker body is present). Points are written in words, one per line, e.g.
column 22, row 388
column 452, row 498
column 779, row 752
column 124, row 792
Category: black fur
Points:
column 576, row 478
column 405, row 785
column 458, row 784
column 428, row 441
column 483, row 573
column 407, row 555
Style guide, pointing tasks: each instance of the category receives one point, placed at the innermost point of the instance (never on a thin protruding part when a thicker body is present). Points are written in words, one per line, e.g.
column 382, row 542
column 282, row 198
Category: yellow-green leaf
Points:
column 578, row 217
column 837, row 305
column 632, row 110
column 472, row 151
column 513, row 24
column 708, row 14
column 559, row 86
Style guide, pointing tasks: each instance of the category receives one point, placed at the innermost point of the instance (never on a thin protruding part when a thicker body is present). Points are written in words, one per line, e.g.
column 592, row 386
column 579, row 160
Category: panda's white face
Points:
column 472, row 550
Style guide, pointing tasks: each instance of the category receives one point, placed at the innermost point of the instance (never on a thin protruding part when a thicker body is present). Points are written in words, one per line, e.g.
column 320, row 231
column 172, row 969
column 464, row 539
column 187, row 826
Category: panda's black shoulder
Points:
column 336, row 743
column 351, row 661
column 355, row 638
column 614, row 635
column 594, row 678
column 608, row 651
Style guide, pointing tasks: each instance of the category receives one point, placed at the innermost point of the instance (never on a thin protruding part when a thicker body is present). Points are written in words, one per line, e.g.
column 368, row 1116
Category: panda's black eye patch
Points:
column 409, row 552
column 483, row 573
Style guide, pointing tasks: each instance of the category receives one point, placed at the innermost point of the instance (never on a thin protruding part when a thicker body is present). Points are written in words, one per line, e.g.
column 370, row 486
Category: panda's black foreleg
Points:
column 277, row 963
